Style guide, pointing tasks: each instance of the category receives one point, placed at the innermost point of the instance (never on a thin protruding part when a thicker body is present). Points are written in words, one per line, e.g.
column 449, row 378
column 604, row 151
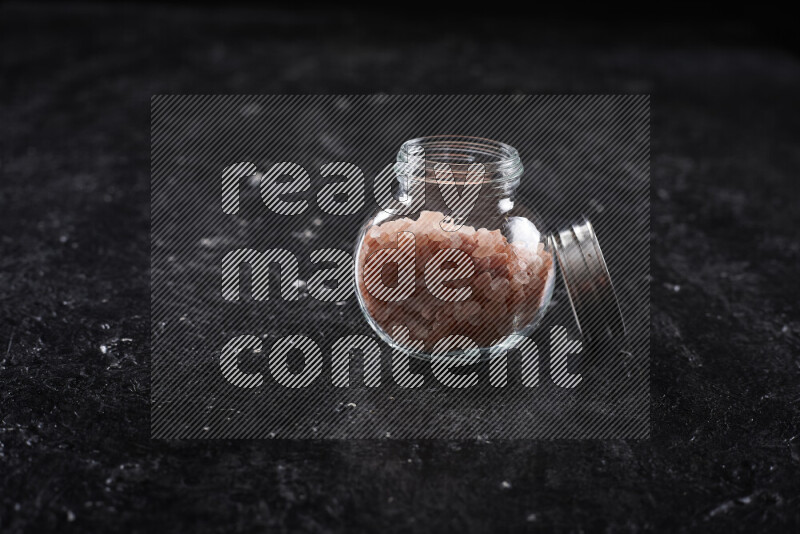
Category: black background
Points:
column 75, row 451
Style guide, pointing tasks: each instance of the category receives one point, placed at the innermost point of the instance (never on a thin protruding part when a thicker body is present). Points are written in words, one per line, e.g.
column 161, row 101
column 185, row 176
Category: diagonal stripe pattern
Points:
column 283, row 350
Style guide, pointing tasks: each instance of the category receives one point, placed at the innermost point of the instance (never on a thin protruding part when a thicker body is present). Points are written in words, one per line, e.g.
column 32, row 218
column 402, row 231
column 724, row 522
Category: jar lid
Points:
column 589, row 288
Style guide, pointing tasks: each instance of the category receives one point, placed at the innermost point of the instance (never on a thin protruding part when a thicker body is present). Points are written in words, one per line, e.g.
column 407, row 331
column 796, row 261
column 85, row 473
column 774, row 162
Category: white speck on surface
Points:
column 317, row 222
column 531, row 518
column 103, row 349
column 206, row 428
column 596, row 206
column 729, row 505
column 300, row 285
column 506, row 485
column 305, row 235
column 213, row 242
column 785, row 329
column 675, row 288
column 70, row 516
column 63, row 238
column 350, row 405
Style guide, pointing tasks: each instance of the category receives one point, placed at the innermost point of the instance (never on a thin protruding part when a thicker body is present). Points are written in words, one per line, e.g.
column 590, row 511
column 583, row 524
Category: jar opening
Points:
column 425, row 158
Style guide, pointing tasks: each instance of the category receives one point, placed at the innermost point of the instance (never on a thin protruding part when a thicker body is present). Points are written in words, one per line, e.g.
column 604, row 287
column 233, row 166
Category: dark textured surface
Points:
column 74, row 373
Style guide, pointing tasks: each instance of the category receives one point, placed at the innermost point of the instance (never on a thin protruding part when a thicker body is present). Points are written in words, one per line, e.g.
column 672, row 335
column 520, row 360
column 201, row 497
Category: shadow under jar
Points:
column 456, row 256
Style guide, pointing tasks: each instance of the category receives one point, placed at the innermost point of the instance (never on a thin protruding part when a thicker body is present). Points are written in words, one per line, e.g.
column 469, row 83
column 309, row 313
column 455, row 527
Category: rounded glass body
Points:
column 456, row 256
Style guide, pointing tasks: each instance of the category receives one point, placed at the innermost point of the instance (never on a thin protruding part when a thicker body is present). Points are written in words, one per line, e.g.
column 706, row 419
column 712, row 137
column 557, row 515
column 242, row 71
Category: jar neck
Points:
column 432, row 162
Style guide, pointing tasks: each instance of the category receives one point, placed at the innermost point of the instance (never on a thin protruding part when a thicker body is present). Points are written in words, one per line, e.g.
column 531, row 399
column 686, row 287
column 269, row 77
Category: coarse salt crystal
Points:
column 483, row 251
column 506, row 287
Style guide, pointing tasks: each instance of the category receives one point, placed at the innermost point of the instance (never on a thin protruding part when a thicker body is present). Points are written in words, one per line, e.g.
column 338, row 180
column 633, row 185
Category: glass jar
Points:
column 454, row 255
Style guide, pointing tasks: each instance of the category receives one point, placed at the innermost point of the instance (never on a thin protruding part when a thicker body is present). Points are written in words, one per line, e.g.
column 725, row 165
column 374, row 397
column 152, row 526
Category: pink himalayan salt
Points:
column 507, row 285
column 483, row 251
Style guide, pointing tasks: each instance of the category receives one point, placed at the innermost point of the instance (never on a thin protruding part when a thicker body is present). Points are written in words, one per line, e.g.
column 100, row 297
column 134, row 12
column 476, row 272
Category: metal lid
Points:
column 591, row 293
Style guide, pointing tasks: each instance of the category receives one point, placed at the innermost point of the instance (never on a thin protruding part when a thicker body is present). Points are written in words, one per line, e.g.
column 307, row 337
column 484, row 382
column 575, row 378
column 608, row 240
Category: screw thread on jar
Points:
column 459, row 160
